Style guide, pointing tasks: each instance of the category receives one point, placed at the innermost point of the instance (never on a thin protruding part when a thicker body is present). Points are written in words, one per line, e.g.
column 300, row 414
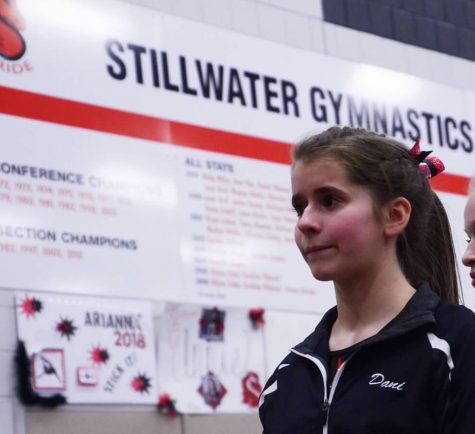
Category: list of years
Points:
column 61, row 198
column 240, row 228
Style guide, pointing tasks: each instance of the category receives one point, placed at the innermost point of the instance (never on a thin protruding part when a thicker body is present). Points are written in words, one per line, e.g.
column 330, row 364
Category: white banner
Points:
column 143, row 152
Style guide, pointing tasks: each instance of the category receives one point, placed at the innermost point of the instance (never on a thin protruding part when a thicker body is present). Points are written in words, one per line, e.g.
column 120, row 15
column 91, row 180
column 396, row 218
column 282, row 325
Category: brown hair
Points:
column 388, row 170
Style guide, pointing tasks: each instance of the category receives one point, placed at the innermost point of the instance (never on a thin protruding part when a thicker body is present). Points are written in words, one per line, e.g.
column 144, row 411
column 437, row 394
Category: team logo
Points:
column 251, row 389
column 12, row 44
column 212, row 390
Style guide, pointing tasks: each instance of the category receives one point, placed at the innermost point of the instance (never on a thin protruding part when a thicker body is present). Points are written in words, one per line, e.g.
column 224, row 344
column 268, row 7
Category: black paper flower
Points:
column 141, row 383
column 66, row 328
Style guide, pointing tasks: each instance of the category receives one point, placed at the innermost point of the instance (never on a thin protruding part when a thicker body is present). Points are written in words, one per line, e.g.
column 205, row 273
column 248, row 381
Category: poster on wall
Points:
column 88, row 349
column 211, row 359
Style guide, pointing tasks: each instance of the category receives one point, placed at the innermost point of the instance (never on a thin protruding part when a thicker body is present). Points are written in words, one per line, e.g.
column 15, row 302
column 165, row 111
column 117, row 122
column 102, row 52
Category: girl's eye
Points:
column 298, row 205
column 330, row 201
column 298, row 209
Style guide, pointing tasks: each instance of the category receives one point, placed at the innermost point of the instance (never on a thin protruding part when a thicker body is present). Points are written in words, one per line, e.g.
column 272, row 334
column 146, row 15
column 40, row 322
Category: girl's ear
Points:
column 396, row 214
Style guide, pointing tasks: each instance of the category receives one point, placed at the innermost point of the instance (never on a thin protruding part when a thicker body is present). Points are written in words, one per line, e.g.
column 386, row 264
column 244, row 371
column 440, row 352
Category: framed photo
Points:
column 48, row 371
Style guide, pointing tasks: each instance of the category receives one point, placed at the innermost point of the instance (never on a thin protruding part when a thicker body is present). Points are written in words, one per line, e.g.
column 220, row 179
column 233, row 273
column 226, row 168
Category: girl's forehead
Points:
column 470, row 209
column 323, row 166
column 320, row 175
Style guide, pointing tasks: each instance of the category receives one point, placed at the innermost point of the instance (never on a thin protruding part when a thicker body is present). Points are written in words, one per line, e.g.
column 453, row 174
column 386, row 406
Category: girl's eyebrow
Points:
column 329, row 189
column 321, row 190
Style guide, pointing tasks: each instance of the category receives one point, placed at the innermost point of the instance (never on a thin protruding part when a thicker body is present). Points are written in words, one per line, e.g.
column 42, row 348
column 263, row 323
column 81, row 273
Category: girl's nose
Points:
column 309, row 221
column 468, row 258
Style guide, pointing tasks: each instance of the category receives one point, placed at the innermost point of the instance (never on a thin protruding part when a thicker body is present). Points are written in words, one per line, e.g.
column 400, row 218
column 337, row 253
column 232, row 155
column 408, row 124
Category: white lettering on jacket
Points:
column 379, row 380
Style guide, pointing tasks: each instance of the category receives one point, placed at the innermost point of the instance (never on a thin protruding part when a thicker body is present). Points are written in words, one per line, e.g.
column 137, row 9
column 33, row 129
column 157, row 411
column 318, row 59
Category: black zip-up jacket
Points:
column 417, row 376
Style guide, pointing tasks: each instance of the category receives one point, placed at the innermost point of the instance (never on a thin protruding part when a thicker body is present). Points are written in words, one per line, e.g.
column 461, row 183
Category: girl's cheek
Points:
column 298, row 237
column 470, row 251
column 349, row 227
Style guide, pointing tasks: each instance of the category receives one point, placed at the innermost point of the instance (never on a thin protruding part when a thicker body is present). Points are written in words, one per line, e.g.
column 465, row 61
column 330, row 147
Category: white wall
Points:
column 299, row 23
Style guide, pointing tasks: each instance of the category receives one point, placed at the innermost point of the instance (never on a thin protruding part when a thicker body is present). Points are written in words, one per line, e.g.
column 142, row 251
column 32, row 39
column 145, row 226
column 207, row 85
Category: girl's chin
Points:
column 322, row 276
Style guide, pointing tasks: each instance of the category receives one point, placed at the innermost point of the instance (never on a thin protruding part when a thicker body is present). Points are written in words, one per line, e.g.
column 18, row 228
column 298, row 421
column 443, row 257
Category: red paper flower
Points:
column 31, row 306
column 141, row 383
column 256, row 316
column 99, row 355
column 166, row 405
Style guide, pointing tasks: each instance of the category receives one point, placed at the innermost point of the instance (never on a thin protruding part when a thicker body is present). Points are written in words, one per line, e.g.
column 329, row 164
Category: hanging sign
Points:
column 211, row 359
column 90, row 350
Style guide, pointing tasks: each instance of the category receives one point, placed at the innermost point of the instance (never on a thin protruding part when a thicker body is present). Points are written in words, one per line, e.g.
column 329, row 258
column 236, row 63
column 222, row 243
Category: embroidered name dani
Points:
column 378, row 379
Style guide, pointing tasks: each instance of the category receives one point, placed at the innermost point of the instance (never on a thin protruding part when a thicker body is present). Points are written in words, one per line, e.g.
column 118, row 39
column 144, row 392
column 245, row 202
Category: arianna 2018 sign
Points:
column 90, row 350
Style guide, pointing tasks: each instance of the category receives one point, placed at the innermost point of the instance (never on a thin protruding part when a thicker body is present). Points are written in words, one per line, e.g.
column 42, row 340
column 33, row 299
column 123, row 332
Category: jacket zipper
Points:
column 334, row 384
column 327, row 400
column 323, row 372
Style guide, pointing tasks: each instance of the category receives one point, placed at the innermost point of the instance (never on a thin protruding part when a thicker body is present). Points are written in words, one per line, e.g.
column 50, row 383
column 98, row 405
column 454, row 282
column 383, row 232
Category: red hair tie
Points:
column 430, row 166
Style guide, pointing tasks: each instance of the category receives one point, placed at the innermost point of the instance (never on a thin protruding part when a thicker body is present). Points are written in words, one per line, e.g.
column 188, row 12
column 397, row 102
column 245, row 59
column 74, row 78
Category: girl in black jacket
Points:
column 396, row 353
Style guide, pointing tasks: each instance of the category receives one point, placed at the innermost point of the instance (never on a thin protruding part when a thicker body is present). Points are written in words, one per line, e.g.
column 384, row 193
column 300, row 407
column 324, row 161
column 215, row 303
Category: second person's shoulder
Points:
column 455, row 322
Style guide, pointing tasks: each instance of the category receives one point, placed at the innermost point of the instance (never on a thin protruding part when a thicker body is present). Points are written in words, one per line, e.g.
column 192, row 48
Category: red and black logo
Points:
column 12, row 44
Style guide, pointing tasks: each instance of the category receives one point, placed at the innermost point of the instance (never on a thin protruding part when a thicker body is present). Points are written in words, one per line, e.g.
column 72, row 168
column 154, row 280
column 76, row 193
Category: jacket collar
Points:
column 418, row 312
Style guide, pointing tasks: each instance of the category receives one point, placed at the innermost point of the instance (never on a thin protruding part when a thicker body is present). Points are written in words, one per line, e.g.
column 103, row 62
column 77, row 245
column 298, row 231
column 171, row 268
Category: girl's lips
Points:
column 316, row 250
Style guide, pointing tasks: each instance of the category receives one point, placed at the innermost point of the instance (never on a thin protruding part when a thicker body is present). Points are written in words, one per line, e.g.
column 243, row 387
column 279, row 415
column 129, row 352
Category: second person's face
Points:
column 337, row 232
column 469, row 217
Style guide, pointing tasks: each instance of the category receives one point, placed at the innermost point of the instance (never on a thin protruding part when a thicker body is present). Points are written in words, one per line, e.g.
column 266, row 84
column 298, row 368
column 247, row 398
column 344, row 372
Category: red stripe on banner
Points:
column 450, row 183
column 66, row 112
